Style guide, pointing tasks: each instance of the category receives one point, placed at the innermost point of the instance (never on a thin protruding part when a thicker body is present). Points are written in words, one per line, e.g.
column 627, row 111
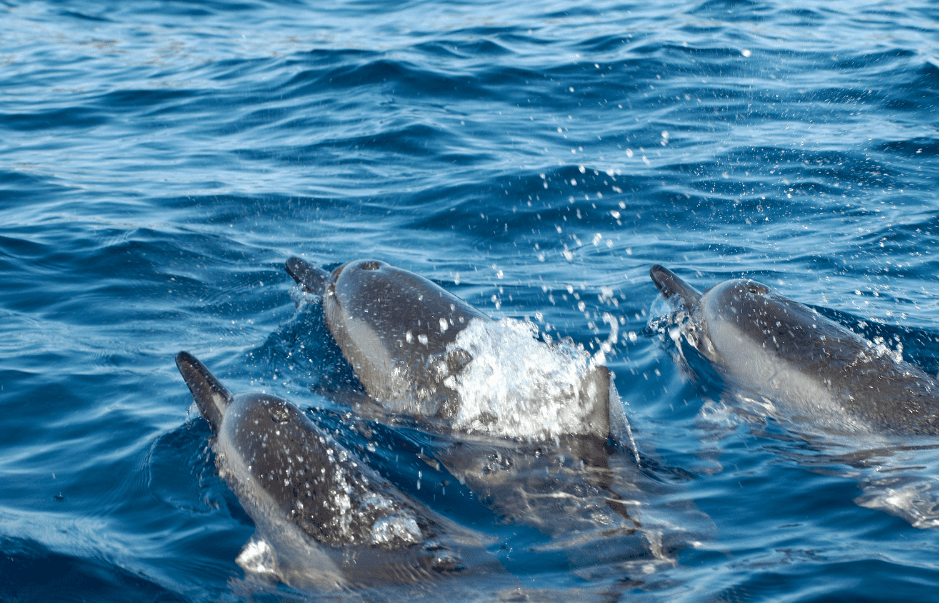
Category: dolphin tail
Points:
column 670, row 284
column 211, row 396
column 313, row 278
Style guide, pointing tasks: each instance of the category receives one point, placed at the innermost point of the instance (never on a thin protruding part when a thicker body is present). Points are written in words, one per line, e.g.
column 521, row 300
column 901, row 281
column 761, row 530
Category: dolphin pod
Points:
column 775, row 348
column 324, row 519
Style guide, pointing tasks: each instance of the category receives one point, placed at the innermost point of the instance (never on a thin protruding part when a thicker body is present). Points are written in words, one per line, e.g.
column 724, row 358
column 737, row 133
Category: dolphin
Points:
column 324, row 519
column 787, row 353
column 399, row 331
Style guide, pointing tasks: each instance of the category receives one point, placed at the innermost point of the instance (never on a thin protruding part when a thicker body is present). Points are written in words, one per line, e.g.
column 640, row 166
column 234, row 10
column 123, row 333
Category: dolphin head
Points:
column 389, row 323
column 379, row 293
column 761, row 341
column 744, row 309
column 733, row 313
column 726, row 312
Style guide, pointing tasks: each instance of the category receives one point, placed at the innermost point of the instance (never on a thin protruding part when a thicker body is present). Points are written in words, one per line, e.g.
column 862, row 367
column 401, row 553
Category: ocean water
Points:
column 159, row 161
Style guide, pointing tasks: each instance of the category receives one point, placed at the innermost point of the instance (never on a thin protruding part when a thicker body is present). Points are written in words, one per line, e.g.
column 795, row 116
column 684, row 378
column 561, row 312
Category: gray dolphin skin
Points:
column 783, row 351
column 395, row 328
column 324, row 519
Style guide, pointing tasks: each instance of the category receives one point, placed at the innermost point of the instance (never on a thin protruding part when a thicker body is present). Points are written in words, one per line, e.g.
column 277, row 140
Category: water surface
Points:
column 160, row 161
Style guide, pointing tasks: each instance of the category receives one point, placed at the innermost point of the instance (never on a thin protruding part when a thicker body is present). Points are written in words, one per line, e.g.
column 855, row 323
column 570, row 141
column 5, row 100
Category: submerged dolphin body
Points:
column 789, row 354
column 324, row 520
column 399, row 332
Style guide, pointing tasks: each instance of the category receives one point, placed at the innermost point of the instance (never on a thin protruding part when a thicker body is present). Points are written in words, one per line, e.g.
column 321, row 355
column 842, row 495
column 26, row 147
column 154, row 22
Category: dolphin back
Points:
column 670, row 285
column 209, row 393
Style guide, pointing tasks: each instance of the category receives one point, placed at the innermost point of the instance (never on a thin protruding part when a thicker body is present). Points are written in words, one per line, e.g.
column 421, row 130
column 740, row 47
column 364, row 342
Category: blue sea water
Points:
column 160, row 160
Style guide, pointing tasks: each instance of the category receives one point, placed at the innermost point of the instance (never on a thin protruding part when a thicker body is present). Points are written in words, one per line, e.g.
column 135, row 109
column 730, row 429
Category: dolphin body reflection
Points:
column 398, row 330
column 787, row 353
column 324, row 520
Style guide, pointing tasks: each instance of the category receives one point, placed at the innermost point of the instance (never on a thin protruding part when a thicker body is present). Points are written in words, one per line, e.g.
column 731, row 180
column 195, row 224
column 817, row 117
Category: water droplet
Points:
column 280, row 413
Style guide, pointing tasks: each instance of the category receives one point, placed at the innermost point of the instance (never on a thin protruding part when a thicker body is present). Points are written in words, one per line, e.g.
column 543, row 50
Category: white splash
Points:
column 880, row 348
column 257, row 557
column 397, row 527
column 518, row 387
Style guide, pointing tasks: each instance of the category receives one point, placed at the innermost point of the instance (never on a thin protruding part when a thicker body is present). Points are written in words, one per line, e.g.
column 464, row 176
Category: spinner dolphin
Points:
column 324, row 520
column 777, row 349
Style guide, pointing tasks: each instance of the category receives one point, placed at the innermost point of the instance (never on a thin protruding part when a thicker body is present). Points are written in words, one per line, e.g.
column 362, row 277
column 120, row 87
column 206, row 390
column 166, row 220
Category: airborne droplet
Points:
column 279, row 413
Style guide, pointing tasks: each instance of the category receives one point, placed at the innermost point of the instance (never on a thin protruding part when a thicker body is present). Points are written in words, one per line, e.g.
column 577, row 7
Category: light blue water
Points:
column 160, row 161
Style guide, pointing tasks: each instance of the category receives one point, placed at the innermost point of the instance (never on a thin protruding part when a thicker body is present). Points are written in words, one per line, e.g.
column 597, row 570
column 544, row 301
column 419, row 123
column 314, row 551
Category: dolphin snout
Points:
column 671, row 284
column 312, row 278
column 212, row 397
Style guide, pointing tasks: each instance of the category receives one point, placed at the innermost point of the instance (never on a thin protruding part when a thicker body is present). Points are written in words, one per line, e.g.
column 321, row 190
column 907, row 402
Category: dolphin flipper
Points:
column 670, row 284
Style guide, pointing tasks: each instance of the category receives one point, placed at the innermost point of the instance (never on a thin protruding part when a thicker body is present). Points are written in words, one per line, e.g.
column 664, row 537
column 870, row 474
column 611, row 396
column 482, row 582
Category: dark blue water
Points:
column 159, row 162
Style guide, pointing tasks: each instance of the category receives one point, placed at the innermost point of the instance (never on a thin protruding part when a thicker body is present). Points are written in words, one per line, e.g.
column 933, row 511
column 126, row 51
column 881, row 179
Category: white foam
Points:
column 518, row 387
column 397, row 527
column 257, row 557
